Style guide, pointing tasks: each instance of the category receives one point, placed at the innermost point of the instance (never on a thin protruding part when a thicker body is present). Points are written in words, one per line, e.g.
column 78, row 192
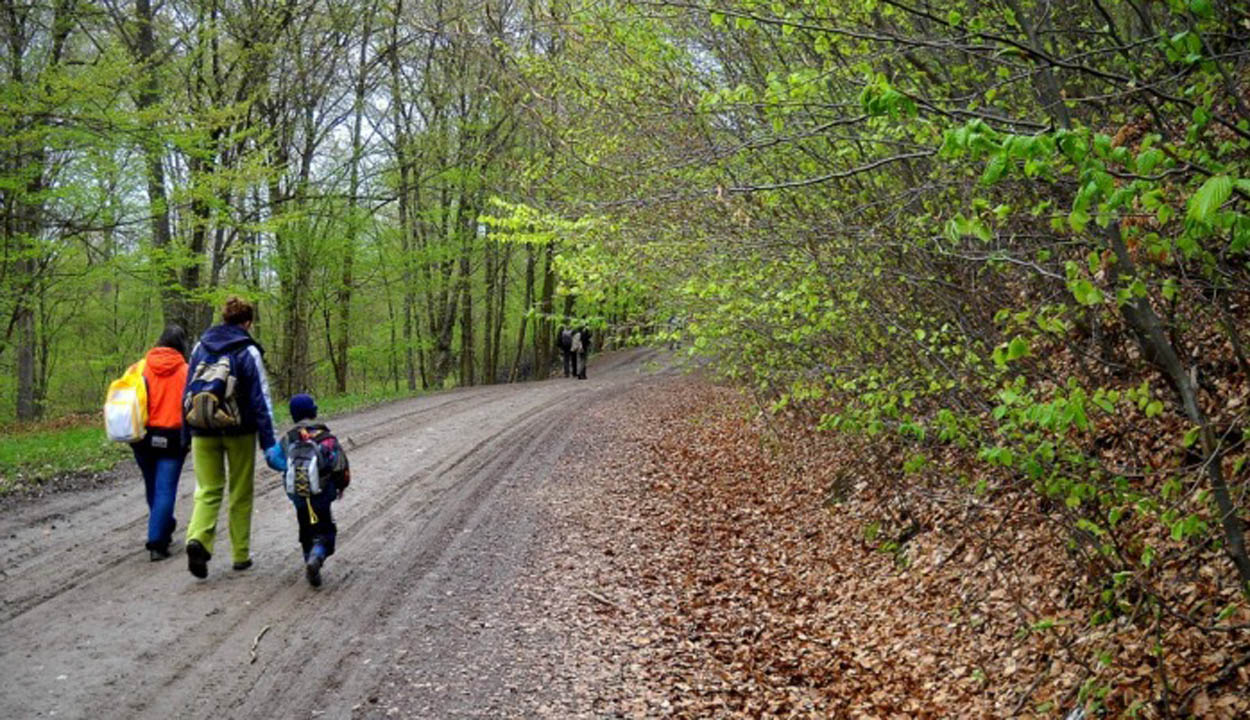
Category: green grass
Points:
column 34, row 456
column 340, row 404
column 78, row 444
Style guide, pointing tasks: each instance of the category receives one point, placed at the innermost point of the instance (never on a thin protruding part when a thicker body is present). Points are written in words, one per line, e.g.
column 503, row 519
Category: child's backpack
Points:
column 126, row 406
column 305, row 462
column 210, row 402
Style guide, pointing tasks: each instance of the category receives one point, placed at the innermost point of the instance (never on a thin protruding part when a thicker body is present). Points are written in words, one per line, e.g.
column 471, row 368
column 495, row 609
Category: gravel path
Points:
column 446, row 597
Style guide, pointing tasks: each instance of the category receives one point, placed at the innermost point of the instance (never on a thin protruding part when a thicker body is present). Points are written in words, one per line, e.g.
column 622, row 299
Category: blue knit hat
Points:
column 303, row 407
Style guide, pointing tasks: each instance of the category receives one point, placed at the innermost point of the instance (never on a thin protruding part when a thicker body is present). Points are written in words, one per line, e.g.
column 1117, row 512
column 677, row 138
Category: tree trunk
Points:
column 544, row 330
column 405, row 213
column 406, row 275
column 489, row 249
column 1156, row 347
column 343, row 298
column 197, row 315
column 466, row 317
column 173, row 305
column 528, row 305
column 27, row 406
column 502, row 307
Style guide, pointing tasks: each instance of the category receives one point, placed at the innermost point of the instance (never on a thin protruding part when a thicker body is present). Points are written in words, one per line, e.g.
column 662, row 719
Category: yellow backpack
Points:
column 126, row 406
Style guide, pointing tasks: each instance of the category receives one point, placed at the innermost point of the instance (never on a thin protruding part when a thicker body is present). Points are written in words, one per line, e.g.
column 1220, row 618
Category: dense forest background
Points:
column 332, row 161
column 1003, row 244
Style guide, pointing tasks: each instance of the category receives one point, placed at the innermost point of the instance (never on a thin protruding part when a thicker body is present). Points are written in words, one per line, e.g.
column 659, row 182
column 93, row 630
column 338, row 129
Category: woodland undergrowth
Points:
column 781, row 571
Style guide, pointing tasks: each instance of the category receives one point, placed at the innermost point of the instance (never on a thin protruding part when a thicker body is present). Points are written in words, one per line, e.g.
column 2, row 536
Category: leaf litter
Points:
column 714, row 562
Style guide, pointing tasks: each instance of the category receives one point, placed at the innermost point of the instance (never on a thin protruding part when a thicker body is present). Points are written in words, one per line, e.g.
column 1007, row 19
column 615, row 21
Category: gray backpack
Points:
column 210, row 402
column 304, row 461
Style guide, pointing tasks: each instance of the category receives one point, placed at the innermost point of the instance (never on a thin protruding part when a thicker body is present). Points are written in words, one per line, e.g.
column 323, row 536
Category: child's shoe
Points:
column 312, row 566
column 312, row 570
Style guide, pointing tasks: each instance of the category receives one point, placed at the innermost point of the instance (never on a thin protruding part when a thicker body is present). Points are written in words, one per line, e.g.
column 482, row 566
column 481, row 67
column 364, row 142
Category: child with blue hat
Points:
column 315, row 473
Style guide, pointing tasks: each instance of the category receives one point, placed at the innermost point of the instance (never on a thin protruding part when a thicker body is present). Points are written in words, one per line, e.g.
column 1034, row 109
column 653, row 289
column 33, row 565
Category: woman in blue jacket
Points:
column 227, row 375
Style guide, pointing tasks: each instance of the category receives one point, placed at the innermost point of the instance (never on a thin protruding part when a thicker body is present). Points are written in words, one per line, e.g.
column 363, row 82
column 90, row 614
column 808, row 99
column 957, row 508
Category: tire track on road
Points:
column 135, row 639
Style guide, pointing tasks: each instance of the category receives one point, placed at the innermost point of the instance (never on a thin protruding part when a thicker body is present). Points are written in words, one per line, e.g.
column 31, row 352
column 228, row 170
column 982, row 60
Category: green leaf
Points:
column 994, row 169
column 1164, row 214
column 1018, row 348
column 1085, row 292
column 981, row 231
column 1190, row 437
column 1148, row 160
column 1102, row 144
column 1213, row 193
column 1169, row 289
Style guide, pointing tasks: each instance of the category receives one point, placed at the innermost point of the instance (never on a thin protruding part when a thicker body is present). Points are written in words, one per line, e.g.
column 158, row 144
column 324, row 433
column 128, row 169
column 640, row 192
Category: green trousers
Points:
column 211, row 456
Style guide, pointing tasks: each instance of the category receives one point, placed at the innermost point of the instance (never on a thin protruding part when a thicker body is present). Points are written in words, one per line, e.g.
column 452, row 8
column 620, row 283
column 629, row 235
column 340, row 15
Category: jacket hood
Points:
column 164, row 361
column 223, row 338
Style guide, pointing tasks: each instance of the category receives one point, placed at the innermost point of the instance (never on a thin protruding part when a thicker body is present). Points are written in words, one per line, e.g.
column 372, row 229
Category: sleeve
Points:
column 196, row 356
column 259, row 397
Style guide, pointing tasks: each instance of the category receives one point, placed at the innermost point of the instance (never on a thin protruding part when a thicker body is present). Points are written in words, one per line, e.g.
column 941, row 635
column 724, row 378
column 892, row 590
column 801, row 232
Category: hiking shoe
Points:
column 197, row 559
column 242, row 565
column 312, row 570
column 158, row 552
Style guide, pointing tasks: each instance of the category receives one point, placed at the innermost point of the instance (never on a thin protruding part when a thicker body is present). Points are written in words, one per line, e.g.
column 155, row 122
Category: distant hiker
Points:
column 163, row 448
column 226, row 404
column 315, row 473
column 574, row 343
column 580, row 347
column 564, row 341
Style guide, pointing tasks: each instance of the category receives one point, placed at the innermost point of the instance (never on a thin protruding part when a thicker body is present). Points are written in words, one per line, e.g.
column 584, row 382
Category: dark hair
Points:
column 238, row 311
column 174, row 337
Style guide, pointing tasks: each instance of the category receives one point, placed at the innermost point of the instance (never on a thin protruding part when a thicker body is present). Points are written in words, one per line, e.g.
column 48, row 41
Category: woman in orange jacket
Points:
column 164, row 447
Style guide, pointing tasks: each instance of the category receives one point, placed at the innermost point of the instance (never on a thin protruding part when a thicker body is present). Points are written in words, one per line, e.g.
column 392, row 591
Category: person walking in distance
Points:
column 579, row 346
column 165, row 443
column 227, row 407
column 564, row 343
column 573, row 344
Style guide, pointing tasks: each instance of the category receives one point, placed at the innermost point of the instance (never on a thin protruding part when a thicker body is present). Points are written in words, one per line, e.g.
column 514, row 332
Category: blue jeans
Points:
column 160, row 485
column 316, row 536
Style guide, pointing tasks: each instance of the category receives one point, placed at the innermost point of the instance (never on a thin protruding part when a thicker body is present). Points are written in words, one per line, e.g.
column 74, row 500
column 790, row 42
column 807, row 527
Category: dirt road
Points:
column 434, row 537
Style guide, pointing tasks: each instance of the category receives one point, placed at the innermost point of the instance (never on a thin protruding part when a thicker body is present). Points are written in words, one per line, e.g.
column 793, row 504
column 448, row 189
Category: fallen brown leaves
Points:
column 737, row 569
